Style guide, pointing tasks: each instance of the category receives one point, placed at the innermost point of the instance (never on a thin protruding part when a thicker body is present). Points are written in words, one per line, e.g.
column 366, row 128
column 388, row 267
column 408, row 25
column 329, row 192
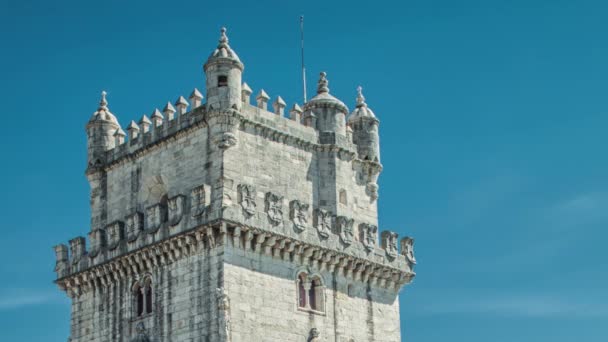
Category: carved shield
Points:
column 134, row 225
column 153, row 218
column 298, row 213
column 345, row 228
column 197, row 198
column 274, row 208
column 176, row 209
column 368, row 235
column 323, row 223
column 247, row 198
column 389, row 243
column 114, row 232
column 407, row 249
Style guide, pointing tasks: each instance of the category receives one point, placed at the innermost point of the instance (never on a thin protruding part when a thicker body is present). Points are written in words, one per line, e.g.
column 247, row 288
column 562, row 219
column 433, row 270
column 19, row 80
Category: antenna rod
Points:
column 303, row 67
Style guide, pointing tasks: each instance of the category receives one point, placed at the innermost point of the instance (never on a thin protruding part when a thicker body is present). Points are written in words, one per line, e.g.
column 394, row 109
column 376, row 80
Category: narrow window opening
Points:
column 222, row 81
column 139, row 299
column 301, row 291
column 148, row 298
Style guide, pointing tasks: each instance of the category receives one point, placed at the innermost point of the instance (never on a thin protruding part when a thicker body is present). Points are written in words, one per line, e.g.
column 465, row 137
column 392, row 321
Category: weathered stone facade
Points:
column 228, row 222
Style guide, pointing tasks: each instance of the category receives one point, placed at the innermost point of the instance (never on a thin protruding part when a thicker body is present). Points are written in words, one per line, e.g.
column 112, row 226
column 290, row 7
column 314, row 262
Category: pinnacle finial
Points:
column 360, row 97
column 103, row 104
column 322, row 86
column 223, row 37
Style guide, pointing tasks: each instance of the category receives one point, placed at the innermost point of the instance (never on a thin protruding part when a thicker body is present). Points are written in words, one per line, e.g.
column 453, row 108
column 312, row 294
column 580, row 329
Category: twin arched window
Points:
column 142, row 297
column 311, row 292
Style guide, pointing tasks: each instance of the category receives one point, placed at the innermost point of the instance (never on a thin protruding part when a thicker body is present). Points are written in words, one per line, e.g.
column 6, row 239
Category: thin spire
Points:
column 360, row 97
column 103, row 104
column 303, row 67
column 322, row 86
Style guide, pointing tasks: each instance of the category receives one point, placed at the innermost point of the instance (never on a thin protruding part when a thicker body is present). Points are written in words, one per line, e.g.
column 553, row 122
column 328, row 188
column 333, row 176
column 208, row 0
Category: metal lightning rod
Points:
column 303, row 67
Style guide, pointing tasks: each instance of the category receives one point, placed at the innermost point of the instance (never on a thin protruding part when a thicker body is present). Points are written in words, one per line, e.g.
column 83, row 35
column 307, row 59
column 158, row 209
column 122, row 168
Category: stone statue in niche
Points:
column 389, row 243
column 134, row 225
column 223, row 305
column 153, row 218
column 197, row 198
column 274, row 208
column 369, row 235
column 315, row 336
column 114, row 232
column 345, row 228
column 141, row 335
column 175, row 207
column 323, row 223
column 298, row 213
column 247, row 198
column 407, row 249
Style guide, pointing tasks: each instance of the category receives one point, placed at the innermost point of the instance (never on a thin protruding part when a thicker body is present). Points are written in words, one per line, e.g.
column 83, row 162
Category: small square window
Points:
column 222, row 81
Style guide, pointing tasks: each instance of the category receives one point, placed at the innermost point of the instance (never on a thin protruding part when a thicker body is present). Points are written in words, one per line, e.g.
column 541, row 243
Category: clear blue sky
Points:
column 493, row 130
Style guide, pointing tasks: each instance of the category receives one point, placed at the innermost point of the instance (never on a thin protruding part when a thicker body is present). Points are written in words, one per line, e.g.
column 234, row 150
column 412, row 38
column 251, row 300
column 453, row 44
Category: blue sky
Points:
column 493, row 131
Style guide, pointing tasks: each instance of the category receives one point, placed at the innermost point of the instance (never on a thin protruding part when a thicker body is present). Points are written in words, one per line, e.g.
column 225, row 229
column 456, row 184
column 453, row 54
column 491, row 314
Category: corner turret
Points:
column 365, row 130
column 100, row 133
column 330, row 113
column 223, row 71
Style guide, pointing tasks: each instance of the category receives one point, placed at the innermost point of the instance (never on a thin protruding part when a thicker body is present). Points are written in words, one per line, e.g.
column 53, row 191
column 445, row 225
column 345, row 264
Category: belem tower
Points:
column 222, row 220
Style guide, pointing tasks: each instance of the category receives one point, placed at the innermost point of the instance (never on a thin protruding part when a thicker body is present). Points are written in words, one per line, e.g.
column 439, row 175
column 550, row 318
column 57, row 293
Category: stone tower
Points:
column 224, row 221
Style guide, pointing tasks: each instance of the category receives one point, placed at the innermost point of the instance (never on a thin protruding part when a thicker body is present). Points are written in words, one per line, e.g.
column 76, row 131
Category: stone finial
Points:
column 279, row 106
column 103, row 103
column 322, row 85
column 223, row 42
column 246, row 93
column 295, row 113
column 119, row 137
column 262, row 99
column 157, row 118
column 195, row 98
column 169, row 111
column 360, row 97
column 145, row 123
column 182, row 105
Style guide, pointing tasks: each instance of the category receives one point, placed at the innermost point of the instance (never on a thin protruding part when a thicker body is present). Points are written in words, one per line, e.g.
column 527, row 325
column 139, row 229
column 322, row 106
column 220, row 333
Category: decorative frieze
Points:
column 298, row 214
column 274, row 208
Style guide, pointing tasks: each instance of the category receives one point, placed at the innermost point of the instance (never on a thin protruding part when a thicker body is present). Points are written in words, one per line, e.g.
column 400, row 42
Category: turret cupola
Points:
column 365, row 129
column 329, row 112
column 100, row 132
column 223, row 71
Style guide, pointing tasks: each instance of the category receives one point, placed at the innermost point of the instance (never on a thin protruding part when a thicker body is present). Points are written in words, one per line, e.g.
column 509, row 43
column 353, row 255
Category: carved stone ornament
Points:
column 298, row 213
column 141, row 334
column 226, row 140
column 97, row 239
column 197, row 201
column 274, row 208
column 153, row 218
column 345, row 228
column 407, row 249
column 114, row 234
column 389, row 243
column 247, row 198
column 315, row 336
column 223, row 305
column 323, row 223
column 175, row 207
column 77, row 248
column 369, row 235
column 134, row 225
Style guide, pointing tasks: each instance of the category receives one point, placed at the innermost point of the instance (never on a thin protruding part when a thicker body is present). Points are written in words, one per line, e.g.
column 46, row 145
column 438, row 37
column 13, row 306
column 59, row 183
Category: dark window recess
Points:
column 222, row 81
column 140, row 302
column 148, row 299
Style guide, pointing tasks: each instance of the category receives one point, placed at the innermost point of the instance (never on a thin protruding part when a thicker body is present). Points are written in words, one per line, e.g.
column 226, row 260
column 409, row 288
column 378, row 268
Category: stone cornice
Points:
column 225, row 233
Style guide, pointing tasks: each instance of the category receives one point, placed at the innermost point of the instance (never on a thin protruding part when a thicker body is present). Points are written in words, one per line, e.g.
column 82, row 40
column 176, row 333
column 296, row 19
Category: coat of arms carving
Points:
column 134, row 225
column 175, row 207
column 345, row 229
column 369, row 235
column 323, row 223
column 274, row 208
column 247, row 198
column 407, row 249
column 389, row 243
column 298, row 213
column 97, row 238
column 114, row 233
column 153, row 218
column 197, row 201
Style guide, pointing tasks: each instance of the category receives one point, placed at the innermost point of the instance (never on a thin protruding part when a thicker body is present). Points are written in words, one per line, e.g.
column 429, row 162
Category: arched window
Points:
column 143, row 297
column 148, row 291
column 316, row 295
column 311, row 293
column 138, row 300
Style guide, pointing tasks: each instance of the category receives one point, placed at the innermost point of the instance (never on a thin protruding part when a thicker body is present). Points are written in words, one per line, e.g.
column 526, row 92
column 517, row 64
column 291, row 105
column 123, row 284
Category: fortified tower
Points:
column 225, row 221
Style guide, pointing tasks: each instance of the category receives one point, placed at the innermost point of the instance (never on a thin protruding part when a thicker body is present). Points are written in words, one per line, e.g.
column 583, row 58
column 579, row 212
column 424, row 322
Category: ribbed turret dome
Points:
column 103, row 112
column 223, row 52
column 324, row 98
column 361, row 110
